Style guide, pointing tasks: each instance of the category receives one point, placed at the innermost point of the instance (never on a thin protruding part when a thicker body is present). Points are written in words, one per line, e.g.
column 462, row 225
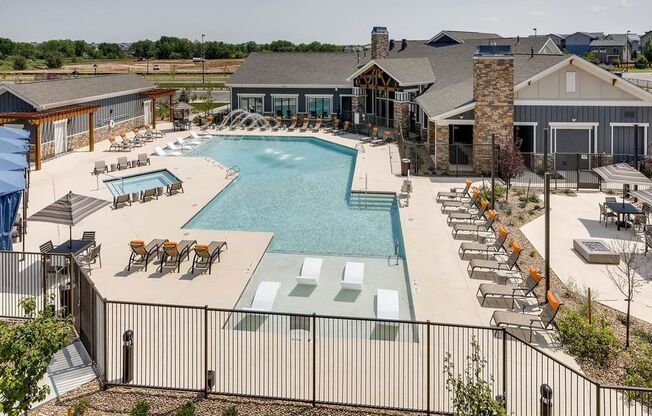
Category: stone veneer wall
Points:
column 102, row 133
column 402, row 116
column 358, row 104
column 493, row 90
column 438, row 144
column 379, row 45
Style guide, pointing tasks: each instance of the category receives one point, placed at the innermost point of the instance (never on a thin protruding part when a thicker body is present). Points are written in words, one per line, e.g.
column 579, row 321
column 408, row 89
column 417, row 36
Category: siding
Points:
column 267, row 104
column 9, row 102
column 544, row 115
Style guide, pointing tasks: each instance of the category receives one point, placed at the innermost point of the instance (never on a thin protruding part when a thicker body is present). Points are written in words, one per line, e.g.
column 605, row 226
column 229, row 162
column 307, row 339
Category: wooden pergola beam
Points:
column 154, row 95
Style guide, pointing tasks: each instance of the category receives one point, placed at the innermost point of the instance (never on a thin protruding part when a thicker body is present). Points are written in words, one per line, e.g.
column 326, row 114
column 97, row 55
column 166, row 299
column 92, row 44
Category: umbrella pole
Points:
column 70, row 240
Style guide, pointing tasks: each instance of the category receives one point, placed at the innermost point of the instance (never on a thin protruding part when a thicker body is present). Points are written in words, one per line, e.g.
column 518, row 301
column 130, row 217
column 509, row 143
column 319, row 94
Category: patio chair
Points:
column 121, row 199
column 88, row 236
column 141, row 253
column 648, row 238
column 310, row 271
column 523, row 290
column 462, row 205
column 91, row 257
column 606, row 214
column 496, row 265
column 160, row 152
column 387, row 304
column 123, row 163
column 265, row 296
column 495, row 247
column 304, row 126
column 476, row 228
column 100, row 167
column 206, row 254
column 46, row 247
column 353, row 276
column 610, row 199
column 148, row 194
column 456, row 193
column 469, row 216
column 317, row 125
column 542, row 321
column 293, row 124
column 387, row 138
column 143, row 159
column 174, row 254
column 175, row 188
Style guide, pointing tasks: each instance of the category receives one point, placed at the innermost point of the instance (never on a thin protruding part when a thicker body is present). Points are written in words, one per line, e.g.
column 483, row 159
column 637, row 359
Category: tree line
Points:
column 54, row 52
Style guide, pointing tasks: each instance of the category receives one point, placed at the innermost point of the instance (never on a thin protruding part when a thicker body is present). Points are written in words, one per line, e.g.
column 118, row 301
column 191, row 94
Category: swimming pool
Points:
column 143, row 181
column 299, row 189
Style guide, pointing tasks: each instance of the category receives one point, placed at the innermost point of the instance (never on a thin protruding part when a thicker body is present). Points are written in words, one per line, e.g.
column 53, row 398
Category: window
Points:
column 252, row 104
column 570, row 82
column 319, row 107
column 285, row 107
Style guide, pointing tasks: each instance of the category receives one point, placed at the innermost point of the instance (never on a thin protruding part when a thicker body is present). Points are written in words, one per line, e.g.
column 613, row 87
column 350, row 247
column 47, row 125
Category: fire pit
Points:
column 595, row 251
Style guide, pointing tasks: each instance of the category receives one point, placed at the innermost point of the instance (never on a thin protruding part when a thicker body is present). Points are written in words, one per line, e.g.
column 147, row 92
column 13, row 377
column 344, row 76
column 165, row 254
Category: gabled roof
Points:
column 459, row 36
column 611, row 40
column 406, row 71
column 43, row 95
column 297, row 69
column 592, row 35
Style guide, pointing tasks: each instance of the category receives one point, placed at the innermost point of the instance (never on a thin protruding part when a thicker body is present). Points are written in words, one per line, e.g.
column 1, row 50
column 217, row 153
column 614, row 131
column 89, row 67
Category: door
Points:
column 345, row 107
column 627, row 145
column 147, row 112
column 60, row 136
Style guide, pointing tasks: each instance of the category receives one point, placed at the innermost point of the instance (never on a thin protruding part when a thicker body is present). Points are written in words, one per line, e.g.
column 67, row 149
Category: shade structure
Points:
column 12, row 162
column 644, row 195
column 623, row 174
column 13, row 134
column 69, row 210
column 12, row 181
column 182, row 106
column 13, row 146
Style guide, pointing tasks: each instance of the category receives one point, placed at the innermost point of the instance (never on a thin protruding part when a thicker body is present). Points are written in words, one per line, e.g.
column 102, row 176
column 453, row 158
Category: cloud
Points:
column 598, row 8
column 537, row 13
column 626, row 4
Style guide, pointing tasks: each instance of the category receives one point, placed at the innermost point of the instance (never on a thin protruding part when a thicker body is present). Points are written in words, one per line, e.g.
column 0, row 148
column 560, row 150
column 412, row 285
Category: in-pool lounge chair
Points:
column 198, row 138
column 100, row 167
column 123, row 163
column 496, row 265
column 544, row 320
column 455, row 193
column 484, row 248
column 174, row 147
column 310, row 271
column 523, row 290
column 462, row 204
column 141, row 253
column 143, row 159
column 265, row 296
column 387, row 306
column 353, row 276
column 174, row 253
column 187, row 144
column 160, row 152
column 206, row 254
column 475, row 229
column 469, row 216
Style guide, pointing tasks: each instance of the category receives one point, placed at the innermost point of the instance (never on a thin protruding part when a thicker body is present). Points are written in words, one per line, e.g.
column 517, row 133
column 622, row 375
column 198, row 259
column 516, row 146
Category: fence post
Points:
column 314, row 360
column 206, row 388
column 577, row 171
column 598, row 399
column 44, row 279
column 428, row 367
column 106, row 351
column 504, row 331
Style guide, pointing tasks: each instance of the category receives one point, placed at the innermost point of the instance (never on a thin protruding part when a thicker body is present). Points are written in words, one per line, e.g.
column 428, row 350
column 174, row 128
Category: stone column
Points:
column 402, row 117
column 358, row 103
column 440, row 136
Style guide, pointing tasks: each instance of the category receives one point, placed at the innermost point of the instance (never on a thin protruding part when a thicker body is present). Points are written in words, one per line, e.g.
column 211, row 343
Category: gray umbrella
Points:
column 182, row 106
column 624, row 174
column 69, row 210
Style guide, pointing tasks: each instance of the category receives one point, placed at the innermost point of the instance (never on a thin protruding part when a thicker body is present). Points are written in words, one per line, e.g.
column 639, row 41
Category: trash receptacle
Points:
column 405, row 167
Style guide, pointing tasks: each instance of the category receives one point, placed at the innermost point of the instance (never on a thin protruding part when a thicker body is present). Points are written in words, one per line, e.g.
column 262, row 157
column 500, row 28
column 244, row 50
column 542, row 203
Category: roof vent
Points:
column 518, row 39
column 392, row 44
column 404, row 44
column 531, row 52
column 493, row 50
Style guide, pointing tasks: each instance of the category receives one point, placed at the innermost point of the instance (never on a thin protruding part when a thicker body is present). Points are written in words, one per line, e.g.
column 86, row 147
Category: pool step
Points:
column 376, row 201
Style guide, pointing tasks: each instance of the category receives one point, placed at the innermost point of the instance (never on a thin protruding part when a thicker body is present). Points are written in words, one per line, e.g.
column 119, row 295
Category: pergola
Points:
column 158, row 93
column 36, row 118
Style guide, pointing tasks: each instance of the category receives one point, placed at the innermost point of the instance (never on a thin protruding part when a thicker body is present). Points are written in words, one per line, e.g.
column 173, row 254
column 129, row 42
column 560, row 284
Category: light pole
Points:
column 95, row 69
column 203, row 75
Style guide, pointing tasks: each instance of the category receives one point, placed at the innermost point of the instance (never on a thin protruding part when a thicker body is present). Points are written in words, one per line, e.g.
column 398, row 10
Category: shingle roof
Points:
column 327, row 69
column 611, row 40
column 408, row 71
column 57, row 93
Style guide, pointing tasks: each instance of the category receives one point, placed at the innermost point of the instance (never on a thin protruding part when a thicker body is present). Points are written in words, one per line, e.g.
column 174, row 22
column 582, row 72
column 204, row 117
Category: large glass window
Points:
column 252, row 104
column 285, row 107
column 319, row 107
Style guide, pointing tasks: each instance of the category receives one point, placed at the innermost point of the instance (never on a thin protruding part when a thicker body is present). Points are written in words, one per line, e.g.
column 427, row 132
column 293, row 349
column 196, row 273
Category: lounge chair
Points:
column 148, row 194
column 174, row 253
column 310, row 271
column 185, row 144
column 265, row 296
column 154, row 132
column 484, row 248
column 387, row 306
column 115, row 145
column 469, row 216
column 198, row 138
column 126, row 142
column 387, row 138
column 542, row 321
column 160, row 152
column 317, row 125
column 206, row 254
column 476, row 228
column 374, row 133
column 462, row 204
column 132, row 139
column 346, row 126
column 174, row 147
column 143, row 159
column 497, row 265
column 304, row 126
column 335, row 127
column 141, row 253
column 100, row 167
column 175, row 188
column 123, row 163
column 353, row 276
column 121, row 199
column 523, row 290
column 293, row 124
column 457, row 193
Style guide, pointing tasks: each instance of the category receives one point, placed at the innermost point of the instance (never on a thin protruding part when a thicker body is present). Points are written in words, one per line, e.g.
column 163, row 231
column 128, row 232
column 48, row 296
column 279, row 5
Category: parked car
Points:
column 156, row 67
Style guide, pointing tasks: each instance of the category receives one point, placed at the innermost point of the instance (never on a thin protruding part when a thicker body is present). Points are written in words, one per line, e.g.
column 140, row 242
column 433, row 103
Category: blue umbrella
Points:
column 13, row 134
column 13, row 146
column 12, row 161
column 12, row 182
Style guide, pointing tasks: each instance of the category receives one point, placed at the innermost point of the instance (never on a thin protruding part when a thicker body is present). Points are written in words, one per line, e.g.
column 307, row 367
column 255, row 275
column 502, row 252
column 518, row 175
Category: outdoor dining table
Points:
column 72, row 247
column 622, row 209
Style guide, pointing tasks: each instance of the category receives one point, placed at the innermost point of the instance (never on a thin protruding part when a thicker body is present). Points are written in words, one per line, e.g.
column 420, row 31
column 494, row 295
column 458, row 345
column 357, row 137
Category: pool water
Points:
column 143, row 181
column 299, row 189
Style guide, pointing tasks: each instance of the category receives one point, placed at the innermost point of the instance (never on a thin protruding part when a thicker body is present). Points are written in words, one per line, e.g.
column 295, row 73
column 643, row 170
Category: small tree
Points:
column 592, row 57
column 626, row 275
column 25, row 352
column 19, row 63
column 510, row 162
column 54, row 60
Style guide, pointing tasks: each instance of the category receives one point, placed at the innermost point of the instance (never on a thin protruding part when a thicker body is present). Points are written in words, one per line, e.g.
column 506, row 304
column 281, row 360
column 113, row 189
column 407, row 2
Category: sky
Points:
column 332, row 21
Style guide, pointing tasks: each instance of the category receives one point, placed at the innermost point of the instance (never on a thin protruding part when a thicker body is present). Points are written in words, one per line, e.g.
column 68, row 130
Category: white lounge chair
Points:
column 187, row 144
column 173, row 146
column 310, row 271
column 387, row 304
column 353, row 276
column 264, row 297
column 160, row 152
column 199, row 137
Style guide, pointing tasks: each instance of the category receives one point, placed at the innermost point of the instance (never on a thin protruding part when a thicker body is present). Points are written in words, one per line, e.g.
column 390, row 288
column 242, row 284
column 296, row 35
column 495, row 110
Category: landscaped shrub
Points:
column 187, row 409
column 639, row 373
column 230, row 411
column 593, row 342
column 80, row 407
column 19, row 63
column 485, row 191
column 140, row 409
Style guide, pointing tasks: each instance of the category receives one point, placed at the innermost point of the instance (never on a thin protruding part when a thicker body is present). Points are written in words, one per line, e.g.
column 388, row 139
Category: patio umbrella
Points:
column 69, row 210
column 645, row 195
column 182, row 106
column 624, row 174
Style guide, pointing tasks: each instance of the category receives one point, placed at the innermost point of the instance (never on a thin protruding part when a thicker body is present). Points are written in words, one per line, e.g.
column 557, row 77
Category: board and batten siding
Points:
column 301, row 92
column 544, row 115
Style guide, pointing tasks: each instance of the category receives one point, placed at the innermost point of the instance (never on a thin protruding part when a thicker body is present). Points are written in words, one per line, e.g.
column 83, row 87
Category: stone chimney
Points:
column 493, row 92
column 379, row 43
